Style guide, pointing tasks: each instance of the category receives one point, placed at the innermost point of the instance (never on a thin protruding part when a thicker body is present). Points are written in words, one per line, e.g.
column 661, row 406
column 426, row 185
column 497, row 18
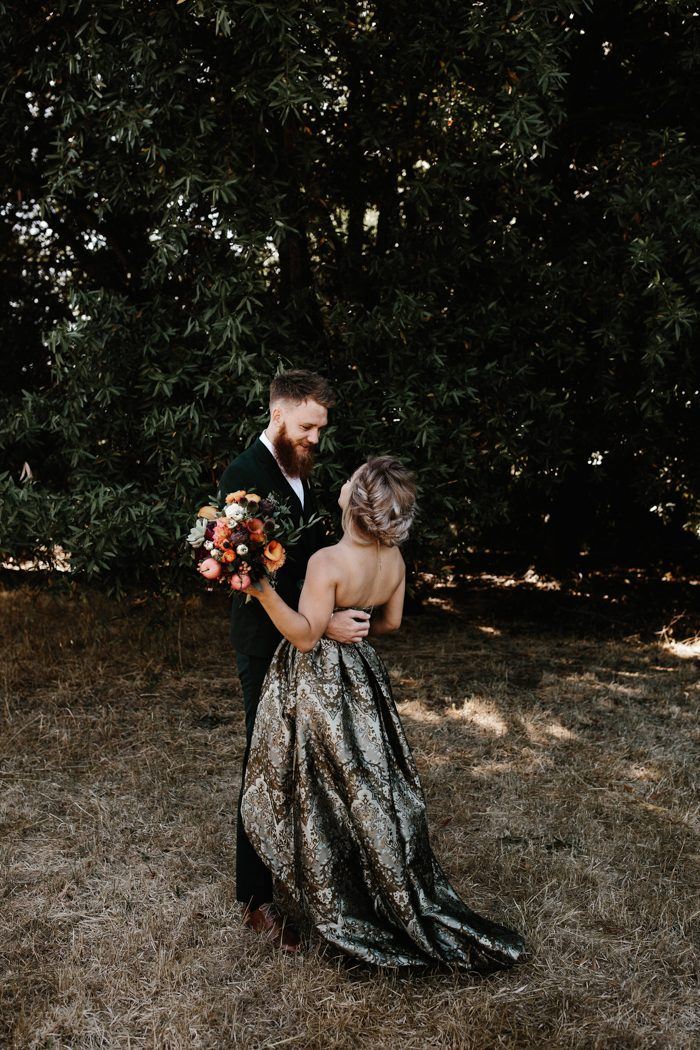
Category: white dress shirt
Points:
column 294, row 482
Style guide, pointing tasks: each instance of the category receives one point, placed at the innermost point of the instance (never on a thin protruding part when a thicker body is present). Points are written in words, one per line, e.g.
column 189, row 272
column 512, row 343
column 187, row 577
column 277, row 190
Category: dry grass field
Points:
column 558, row 756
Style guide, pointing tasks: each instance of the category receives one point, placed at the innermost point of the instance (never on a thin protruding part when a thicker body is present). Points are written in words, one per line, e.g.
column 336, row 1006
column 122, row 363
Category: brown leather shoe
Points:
column 267, row 920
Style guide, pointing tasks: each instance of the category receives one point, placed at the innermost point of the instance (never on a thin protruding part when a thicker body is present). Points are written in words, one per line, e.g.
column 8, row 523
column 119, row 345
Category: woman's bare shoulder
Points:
column 396, row 558
column 326, row 559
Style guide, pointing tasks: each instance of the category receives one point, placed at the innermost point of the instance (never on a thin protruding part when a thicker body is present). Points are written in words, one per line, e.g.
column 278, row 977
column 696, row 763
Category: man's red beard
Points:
column 295, row 457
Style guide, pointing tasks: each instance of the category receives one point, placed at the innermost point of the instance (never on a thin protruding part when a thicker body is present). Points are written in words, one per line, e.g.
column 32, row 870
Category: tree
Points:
column 476, row 219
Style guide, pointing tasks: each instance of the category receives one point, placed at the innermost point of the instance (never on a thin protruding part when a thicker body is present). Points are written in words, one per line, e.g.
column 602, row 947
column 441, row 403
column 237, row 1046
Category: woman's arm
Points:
column 388, row 617
column 304, row 628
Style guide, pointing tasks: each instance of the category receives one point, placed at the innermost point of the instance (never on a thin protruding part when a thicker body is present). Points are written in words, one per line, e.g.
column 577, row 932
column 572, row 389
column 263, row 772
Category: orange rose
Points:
column 210, row 513
column 228, row 555
column 221, row 534
column 275, row 553
column 234, row 497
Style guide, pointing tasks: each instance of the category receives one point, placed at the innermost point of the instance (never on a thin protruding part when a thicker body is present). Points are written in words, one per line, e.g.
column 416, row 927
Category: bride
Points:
column 332, row 800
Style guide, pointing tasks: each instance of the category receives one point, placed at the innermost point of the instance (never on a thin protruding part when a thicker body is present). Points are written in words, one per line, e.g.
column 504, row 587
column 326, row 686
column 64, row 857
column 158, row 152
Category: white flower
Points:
column 197, row 534
column 208, row 544
column 234, row 511
column 241, row 549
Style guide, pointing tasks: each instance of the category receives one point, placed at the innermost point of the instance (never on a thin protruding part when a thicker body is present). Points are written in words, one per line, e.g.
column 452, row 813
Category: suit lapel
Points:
column 309, row 501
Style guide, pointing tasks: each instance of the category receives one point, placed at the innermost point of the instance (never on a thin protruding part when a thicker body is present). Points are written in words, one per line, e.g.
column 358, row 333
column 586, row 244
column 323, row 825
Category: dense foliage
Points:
column 478, row 219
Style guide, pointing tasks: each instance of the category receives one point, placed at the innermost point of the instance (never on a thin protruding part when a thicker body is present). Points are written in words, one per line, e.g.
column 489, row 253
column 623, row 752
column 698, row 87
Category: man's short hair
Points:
column 299, row 385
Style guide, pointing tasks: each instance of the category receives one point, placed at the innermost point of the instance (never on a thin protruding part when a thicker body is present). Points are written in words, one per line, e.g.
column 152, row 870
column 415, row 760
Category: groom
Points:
column 280, row 461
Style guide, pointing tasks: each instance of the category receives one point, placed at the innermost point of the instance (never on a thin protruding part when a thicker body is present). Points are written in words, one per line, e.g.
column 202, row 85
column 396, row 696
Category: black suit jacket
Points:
column 251, row 629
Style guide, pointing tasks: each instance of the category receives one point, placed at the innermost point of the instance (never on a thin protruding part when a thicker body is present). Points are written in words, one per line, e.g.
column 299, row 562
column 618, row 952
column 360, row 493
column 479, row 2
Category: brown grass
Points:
column 559, row 772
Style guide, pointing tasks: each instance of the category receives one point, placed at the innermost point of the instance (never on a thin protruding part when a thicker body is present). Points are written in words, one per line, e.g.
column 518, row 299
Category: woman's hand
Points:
column 260, row 589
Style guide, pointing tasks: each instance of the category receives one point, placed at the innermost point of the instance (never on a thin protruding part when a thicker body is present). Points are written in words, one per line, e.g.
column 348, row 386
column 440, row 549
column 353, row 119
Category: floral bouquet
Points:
column 245, row 540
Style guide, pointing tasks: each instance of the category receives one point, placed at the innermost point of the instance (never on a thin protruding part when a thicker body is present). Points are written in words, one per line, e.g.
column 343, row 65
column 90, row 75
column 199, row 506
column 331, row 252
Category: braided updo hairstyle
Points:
column 382, row 501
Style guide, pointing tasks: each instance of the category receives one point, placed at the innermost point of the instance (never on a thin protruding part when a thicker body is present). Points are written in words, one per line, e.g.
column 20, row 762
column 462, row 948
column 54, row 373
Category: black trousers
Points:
column 253, row 878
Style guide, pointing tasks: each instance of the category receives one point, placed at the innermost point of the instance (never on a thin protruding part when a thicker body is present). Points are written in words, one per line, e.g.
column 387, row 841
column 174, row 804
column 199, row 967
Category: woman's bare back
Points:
column 367, row 576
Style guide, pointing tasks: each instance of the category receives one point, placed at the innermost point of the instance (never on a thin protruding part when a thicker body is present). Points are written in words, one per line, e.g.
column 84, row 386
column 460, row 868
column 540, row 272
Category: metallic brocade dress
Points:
column 333, row 804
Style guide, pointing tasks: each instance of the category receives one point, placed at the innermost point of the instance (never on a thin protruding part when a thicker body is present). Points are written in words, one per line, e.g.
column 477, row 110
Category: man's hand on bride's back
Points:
column 348, row 626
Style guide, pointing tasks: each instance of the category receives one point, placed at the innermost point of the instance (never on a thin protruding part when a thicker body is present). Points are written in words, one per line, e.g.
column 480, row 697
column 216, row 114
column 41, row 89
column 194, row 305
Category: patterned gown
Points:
column 333, row 804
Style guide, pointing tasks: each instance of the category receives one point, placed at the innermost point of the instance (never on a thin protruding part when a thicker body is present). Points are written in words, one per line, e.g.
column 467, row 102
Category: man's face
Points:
column 297, row 433
column 303, row 423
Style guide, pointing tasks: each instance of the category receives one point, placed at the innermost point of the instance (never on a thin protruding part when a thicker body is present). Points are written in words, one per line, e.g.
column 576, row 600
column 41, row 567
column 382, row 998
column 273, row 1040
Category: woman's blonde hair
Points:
column 382, row 501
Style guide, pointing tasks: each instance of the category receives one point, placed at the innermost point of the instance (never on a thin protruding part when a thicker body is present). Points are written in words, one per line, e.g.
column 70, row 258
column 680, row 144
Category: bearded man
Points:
column 280, row 462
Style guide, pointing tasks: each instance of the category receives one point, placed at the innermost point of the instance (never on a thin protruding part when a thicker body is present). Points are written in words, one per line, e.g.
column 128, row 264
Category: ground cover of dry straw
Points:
column 557, row 757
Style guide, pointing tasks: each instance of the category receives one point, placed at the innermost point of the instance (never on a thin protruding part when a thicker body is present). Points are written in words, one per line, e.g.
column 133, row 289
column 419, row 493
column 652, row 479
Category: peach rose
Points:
column 240, row 583
column 235, row 497
column 210, row 513
column 210, row 568
column 252, row 498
